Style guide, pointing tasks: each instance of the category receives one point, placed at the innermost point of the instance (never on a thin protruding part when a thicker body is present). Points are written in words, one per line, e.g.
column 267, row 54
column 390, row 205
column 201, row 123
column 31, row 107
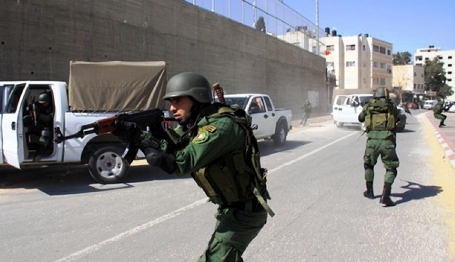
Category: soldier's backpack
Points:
column 379, row 117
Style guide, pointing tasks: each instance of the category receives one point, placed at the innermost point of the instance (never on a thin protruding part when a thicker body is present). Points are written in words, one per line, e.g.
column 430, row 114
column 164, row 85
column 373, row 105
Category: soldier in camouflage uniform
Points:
column 437, row 112
column 380, row 116
column 211, row 146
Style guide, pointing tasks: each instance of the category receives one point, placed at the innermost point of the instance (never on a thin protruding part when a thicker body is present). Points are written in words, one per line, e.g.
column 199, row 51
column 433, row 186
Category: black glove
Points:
column 156, row 157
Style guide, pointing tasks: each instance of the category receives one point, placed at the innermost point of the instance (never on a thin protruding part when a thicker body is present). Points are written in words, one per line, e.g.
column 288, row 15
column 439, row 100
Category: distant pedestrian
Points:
column 306, row 112
column 437, row 112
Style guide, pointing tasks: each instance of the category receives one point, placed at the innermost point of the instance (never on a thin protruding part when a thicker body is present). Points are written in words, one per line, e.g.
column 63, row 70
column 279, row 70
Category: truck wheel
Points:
column 107, row 166
column 339, row 124
column 280, row 135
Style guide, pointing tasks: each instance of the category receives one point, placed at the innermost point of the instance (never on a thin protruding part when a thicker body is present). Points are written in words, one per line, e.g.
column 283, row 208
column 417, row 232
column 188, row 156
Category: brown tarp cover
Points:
column 116, row 85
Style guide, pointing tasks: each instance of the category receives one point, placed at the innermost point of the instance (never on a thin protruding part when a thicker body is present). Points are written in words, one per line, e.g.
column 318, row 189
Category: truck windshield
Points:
column 240, row 101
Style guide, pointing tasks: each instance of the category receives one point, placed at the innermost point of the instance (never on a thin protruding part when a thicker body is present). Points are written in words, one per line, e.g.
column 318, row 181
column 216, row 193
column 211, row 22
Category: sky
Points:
column 407, row 24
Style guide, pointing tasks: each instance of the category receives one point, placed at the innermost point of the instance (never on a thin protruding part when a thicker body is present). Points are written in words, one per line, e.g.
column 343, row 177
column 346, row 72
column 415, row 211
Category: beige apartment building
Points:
column 359, row 62
column 409, row 78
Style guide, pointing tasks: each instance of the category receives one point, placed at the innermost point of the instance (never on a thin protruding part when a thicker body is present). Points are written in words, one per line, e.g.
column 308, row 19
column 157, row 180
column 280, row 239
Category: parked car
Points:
column 412, row 105
column 448, row 106
column 402, row 116
column 429, row 104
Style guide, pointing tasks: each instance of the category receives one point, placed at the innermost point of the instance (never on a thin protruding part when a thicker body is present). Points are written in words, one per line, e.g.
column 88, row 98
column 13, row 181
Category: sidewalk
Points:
column 445, row 135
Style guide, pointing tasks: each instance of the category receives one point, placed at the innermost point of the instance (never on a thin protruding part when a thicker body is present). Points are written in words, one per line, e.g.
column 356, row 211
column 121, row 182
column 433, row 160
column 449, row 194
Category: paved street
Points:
column 316, row 183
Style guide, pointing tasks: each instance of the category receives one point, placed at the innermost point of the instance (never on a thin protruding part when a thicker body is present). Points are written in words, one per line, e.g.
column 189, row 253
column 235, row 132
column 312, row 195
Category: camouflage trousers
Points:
column 385, row 149
column 235, row 229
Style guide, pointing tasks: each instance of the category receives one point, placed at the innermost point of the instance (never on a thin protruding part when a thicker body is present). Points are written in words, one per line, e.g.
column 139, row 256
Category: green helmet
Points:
column 189, row 84
column 44, row 97
column 380, row 92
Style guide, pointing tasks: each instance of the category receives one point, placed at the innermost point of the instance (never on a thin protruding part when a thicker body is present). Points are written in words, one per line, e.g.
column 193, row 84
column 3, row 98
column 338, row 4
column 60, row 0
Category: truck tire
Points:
column 107, row 166
column 279, row 138
column 339, row 124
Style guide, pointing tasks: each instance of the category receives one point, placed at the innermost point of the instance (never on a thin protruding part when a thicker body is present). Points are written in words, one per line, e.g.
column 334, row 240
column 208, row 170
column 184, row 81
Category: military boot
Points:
column 369, row 193
column 385, row 198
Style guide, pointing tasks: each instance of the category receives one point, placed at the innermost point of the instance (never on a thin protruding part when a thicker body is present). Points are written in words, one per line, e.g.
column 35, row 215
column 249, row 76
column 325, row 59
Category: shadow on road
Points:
column 267, row 147
column 73, row 179
column 416, row 191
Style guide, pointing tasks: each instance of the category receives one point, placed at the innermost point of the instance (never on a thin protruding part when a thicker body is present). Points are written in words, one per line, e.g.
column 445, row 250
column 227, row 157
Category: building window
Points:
column 388, row 52
column 450, row 57
column 376, row 64
column 415, row 74
column 449, row 73
column 363, row 47
column 330, row 48
column 350, row 47
column 382, row 81
column 382, row 50
column 449, row 65
column 419, row 58
column 375, row 48
column 350, row 63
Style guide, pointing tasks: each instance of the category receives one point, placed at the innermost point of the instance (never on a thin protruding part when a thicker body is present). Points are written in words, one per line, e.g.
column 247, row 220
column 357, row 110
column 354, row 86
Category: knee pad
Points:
column 367, row 166
column 393, row 170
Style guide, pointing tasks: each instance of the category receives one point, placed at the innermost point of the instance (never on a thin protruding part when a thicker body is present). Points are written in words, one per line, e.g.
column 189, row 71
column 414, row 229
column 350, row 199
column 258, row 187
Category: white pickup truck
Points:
column 270, row 122
column 346, row 109
column 95, row 91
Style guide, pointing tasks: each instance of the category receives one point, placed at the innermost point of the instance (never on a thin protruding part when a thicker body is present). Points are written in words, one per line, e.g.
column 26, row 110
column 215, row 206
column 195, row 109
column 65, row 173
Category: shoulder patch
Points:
column 203, row 134
column 201, row 137
column 208, row 128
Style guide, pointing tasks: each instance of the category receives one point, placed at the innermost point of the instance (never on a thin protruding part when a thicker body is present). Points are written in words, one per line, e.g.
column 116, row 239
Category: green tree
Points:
column 435, row 78
column 401, row 58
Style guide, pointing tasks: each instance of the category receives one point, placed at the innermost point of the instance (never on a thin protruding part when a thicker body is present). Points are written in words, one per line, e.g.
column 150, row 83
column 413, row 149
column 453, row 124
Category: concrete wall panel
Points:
column 40, row 37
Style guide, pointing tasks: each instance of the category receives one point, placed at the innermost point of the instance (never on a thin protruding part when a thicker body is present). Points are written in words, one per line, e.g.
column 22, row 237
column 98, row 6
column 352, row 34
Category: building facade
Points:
column 446, row 57
column 409, row 78
column 359, row 62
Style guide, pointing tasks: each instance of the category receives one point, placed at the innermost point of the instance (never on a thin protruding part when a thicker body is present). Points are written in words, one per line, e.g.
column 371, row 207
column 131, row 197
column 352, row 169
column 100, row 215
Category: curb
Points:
column 449, row 153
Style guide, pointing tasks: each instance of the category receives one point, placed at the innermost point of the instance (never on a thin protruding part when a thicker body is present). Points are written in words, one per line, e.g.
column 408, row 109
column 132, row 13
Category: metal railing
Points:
column 273, row 17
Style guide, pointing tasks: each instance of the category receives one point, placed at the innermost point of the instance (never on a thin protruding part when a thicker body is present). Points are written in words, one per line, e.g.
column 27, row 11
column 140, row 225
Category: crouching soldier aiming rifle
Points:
column 380, row 116
column 215, row 144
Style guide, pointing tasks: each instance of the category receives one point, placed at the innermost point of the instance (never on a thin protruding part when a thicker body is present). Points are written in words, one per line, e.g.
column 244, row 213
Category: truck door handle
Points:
column 273, row 114
column 266, row 116
column 13, row 125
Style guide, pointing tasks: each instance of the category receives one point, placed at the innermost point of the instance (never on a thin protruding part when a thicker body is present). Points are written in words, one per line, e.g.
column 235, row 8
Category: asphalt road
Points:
column 316, row 183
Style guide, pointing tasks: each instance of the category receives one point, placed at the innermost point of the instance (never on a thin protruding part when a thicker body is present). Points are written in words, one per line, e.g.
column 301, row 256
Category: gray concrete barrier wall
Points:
column 38, row 39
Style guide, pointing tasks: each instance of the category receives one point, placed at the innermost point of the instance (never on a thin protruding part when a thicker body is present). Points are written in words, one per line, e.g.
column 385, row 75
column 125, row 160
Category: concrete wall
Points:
column 38, row 38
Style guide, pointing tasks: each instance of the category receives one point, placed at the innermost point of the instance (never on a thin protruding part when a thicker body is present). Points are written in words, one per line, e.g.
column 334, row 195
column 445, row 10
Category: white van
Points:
column 429, row 104
column 346, row 108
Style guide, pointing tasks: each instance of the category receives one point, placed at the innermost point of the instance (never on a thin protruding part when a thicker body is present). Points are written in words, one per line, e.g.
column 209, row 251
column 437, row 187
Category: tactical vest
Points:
column 379, row 117
column 232, row 177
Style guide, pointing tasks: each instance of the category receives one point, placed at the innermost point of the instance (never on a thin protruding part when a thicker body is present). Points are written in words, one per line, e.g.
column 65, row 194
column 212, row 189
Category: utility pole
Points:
column 317, row 27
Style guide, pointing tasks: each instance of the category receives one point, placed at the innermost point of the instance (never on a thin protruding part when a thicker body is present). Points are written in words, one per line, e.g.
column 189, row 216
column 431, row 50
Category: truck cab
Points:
column 346, row 108
column 19, row 141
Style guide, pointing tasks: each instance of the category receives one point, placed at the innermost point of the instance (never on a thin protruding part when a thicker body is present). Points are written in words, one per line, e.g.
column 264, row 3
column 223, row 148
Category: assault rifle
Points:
column 127, row 126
